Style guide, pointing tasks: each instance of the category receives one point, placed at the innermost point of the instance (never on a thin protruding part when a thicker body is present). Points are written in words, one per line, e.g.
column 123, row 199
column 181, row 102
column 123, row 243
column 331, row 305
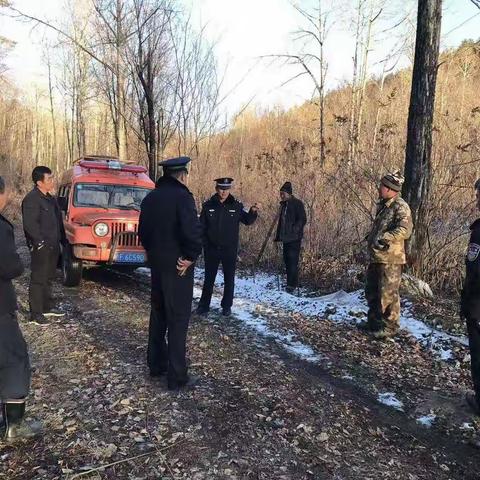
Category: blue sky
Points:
column 244, row 31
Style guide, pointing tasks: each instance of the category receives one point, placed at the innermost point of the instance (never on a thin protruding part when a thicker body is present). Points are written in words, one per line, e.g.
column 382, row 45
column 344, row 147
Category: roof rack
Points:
column 97, row 158
column 111, row 164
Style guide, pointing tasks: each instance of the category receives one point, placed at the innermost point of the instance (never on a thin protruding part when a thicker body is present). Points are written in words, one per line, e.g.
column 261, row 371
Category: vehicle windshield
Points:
column 96, row 195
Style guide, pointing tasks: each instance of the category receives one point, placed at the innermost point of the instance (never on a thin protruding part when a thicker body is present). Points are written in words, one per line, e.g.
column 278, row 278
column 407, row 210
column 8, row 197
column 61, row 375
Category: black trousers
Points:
column 291, row 256
column 473, row 328
column 171, row 306
column 43, row 269
column 213, row 258
column 14, row 360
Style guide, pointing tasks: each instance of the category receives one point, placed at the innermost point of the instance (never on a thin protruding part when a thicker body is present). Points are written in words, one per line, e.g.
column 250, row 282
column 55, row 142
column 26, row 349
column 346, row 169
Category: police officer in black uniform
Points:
column 44, row 231
column 14, row 360
column 220, row 218
column 171, row 234
column 470, row 305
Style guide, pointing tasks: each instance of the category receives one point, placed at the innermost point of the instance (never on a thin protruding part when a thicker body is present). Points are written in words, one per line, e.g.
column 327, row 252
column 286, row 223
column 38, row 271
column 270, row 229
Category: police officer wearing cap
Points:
column 470, row 305
column 171, row 234
column 220, row 218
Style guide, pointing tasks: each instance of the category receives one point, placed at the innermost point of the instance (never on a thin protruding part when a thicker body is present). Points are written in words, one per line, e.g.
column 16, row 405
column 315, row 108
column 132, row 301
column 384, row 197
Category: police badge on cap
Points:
column 224, row 183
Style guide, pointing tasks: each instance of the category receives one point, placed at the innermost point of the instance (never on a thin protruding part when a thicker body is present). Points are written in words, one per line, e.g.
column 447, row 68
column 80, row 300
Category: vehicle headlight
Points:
column 101, row 229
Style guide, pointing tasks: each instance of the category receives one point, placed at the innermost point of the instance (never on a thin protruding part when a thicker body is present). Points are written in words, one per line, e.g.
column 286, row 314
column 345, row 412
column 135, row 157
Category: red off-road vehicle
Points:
column 100, row 199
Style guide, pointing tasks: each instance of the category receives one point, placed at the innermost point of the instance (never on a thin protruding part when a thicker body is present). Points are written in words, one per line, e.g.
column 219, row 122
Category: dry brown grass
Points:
column 262, row 150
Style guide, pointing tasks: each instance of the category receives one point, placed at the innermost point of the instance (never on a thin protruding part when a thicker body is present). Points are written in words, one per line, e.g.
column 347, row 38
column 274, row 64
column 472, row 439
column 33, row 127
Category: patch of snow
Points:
column 389, row 399
column 341, row 306
column 143, row 271
column 445, row 354
column 260, row 294
column 467, row 426
column 427, row 420
column 246, row 312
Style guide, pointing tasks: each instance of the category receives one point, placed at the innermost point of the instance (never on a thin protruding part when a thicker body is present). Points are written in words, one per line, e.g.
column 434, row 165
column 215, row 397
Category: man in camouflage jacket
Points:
column 386, row 251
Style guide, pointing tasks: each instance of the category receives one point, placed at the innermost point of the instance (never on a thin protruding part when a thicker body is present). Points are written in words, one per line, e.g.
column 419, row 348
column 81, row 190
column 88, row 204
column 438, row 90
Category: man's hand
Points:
column 183, row 265
column 256, row 207
column 381, row 245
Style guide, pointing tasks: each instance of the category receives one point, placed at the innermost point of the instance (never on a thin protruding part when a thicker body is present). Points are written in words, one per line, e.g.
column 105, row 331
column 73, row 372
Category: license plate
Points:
column 129, row 257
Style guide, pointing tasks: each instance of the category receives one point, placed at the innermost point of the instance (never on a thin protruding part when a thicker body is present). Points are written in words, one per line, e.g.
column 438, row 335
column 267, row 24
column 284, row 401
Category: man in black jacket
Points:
column 170, row 232
column 470, row 305
column 292, row 220
column 220, row 218
column 44, row 231
column 14, row 361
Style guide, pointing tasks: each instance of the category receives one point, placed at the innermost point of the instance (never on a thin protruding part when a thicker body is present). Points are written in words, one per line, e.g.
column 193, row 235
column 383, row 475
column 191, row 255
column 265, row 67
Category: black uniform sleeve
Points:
column 203, row 223
column 190, row 228
column 144, row 226
column 11, row 265
column 471, row 286
column 31, row 218
column 247, row 217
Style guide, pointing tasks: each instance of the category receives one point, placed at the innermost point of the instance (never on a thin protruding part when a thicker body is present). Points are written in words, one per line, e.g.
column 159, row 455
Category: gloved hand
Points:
column 381, row 245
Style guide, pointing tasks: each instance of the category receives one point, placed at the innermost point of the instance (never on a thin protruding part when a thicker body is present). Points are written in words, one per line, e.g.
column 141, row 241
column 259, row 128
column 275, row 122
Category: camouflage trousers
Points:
column 383, row 299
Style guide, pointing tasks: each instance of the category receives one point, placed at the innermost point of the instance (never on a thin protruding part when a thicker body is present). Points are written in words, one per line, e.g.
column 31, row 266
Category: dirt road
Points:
column 260, row 410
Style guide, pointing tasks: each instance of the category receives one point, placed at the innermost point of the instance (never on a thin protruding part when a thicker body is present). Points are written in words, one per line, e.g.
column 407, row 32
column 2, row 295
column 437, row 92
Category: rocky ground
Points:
column 262, row 409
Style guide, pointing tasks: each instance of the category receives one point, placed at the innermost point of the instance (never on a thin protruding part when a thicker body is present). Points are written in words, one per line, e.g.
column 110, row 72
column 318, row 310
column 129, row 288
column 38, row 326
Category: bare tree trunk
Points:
column 120, row 93
column 323, row 68
column 377, row 114
column 364, row 70
column 52, row 114
column 352, row 133
column 416, row 189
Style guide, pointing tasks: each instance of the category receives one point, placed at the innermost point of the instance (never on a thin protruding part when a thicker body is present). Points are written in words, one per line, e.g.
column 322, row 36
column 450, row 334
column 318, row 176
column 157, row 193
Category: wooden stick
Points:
column 264, row 245
column 102, row 467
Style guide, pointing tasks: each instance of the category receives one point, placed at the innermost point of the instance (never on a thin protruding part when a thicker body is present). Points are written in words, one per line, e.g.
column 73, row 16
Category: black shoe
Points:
column 290, row 289
column 364, row 327
column 54, row 312
column 226, row 312
column 472, row 402
column 39, row 319
column 16, row 427
column 191, row 381
column 157, row 373
column 202, row 310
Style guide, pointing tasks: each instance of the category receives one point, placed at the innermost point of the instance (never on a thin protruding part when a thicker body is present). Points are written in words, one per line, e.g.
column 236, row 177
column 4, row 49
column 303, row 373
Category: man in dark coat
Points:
column 170, row 232
column 44, row 231
column 14, row 360
column 291, row 222
column 220, row 218
column 470, row 305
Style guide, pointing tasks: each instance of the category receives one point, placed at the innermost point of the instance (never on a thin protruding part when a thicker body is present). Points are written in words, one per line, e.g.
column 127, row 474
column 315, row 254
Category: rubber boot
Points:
column 16, row 427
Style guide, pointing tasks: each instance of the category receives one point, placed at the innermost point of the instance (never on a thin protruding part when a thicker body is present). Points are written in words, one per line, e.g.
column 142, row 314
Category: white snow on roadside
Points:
column 245, row 312
column 427, row 420
column 389, row 399
column 260, row 296
column 340, row 306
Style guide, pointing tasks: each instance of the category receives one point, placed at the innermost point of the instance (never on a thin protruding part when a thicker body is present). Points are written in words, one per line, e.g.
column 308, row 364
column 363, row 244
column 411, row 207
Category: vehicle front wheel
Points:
column 71, row 268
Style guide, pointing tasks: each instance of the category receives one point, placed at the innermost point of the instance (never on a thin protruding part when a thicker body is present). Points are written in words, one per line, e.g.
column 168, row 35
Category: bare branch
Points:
column 82, row 47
